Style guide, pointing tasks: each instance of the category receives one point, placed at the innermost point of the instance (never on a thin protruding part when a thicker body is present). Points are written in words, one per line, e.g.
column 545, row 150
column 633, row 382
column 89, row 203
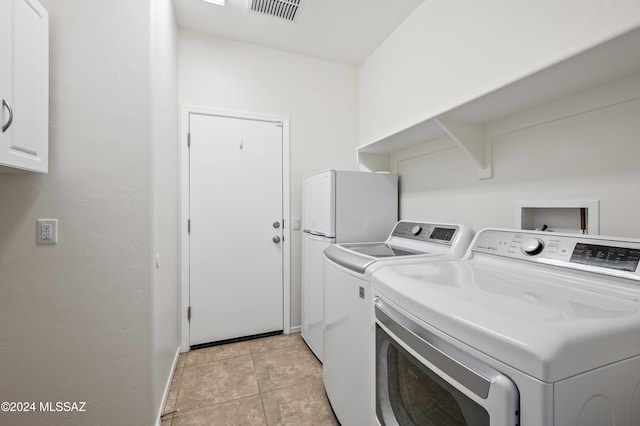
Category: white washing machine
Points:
column 349, row 332
column 529, row 328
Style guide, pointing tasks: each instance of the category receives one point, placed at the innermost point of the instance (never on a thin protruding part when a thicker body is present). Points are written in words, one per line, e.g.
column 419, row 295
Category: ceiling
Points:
column 345, row 31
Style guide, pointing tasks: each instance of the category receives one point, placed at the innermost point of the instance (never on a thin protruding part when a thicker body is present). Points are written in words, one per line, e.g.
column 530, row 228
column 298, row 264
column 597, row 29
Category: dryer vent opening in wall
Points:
column 285, row 9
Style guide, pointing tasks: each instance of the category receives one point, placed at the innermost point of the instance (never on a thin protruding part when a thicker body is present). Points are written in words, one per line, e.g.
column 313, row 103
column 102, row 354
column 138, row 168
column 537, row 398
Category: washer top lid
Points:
column 381, row 250
column 544, row 319
column 409, row 240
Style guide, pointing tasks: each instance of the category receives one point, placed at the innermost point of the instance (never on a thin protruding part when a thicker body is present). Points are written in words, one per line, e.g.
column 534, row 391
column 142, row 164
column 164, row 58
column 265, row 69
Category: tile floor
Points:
column 269, row 381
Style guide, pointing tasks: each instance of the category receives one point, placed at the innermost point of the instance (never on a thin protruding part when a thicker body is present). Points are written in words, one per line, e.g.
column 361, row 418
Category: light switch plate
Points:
column 47, row 231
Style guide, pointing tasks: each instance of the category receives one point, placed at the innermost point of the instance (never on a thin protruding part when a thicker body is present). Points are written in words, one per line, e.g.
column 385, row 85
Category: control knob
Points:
column 532, row 246
column 416, row 229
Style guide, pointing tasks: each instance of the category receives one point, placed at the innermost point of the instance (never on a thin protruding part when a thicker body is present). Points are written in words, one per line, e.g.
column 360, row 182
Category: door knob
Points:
column 276, row 239
column 276, row 225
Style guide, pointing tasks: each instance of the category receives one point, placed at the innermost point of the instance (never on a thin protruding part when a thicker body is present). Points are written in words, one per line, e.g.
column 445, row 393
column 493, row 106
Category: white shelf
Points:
column 606, row 63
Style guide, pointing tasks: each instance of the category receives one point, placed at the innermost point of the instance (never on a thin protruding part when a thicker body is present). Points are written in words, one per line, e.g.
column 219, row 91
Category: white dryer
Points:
column 529, row 328
column 349, row 332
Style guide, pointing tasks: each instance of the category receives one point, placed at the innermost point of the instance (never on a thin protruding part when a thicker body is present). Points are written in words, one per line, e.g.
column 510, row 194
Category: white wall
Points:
column 319, row 97
column 449, row 52
column 75, row 317
column 571, row 155
column 165, row 156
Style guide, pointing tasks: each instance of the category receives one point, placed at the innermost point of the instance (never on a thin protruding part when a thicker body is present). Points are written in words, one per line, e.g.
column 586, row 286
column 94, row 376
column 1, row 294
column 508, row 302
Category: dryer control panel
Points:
column 427, row 232
column 591, row 253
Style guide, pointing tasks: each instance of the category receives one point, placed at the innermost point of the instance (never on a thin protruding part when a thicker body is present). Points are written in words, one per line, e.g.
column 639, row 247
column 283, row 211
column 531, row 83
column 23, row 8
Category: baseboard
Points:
column 296, row 329
column 167, row 387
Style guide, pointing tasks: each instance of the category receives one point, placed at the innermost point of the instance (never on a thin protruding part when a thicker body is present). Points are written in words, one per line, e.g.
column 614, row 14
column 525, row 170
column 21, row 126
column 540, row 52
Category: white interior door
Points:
column 235, row 238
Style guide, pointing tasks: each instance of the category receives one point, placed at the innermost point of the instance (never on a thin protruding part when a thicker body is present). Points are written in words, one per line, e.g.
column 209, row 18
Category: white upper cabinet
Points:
column 24, row 85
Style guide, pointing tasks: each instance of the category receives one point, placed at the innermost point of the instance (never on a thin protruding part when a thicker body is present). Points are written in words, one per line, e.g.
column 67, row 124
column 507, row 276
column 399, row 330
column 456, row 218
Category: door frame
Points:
column 184, row 210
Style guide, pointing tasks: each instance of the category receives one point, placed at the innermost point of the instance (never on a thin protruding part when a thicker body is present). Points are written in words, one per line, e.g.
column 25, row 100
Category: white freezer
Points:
column 350, row 206
column 312, row 292
column 319, row 204
column 339, row 206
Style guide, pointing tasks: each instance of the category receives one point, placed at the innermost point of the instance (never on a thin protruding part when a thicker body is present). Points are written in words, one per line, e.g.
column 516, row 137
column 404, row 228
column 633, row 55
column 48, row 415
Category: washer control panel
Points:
column 427, row 232
column 561, row 249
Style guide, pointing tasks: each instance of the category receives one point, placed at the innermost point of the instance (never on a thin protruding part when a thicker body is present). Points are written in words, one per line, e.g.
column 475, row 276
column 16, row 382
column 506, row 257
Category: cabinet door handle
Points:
column 6, row 126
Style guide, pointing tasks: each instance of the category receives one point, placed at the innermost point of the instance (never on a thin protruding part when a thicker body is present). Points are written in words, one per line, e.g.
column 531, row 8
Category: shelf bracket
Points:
column 473, row 139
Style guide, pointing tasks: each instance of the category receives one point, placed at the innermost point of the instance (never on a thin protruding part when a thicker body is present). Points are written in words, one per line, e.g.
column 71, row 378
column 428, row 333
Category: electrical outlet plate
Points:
column 47, row 231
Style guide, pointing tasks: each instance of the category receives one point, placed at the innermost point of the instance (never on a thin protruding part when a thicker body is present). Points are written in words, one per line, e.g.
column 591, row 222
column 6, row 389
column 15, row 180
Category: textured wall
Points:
column 451, row 51
column 165, row 155
column 319, row 97
column 572, row 155
column 75, row 317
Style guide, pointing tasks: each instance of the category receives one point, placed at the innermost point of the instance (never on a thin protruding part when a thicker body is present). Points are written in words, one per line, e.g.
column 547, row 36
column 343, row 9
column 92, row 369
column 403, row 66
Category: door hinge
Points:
column 189, row 225
column 189, row 139
column 279, row 124
column 189, row 313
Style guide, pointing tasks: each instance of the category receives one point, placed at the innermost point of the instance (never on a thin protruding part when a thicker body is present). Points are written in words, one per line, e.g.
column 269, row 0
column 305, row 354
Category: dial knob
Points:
column 532, row 246
column 416, row 229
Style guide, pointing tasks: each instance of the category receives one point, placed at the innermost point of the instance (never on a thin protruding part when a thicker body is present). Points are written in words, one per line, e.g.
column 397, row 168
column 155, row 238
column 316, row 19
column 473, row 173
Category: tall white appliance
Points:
column 339, row 206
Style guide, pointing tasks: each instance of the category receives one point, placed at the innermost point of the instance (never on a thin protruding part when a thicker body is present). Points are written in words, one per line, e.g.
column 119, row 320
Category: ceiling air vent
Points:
column 285, row 9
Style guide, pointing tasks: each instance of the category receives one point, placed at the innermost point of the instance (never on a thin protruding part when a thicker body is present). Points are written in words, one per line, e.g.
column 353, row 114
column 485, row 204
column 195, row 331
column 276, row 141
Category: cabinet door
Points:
column 6, row 67
column 26, row 142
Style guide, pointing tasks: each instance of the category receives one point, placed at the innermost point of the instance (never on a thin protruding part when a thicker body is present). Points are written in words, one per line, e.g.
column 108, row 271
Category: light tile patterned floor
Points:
column 270, row 381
